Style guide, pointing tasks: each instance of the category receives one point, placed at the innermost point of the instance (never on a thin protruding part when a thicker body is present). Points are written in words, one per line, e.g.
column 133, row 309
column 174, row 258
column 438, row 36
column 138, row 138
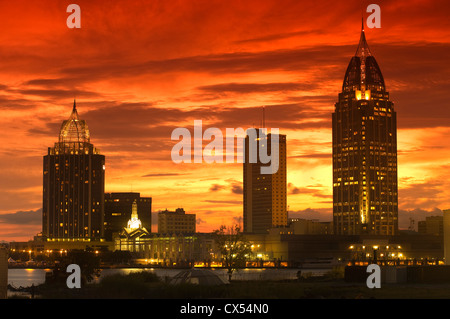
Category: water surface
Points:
column 20, row 277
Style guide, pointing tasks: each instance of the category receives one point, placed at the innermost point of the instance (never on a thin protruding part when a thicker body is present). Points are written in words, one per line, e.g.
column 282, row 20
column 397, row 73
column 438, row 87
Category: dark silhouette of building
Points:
column 365, row 199
column 118, row 210
column 433, row 225
column 73, row 185
column 265, row 197
column 176, row 222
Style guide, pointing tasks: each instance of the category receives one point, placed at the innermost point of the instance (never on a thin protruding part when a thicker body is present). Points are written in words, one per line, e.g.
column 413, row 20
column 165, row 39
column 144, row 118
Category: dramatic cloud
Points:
column 237, row 189
column 307, row 190
column 161, row 174
column 32, row 217
column 249, row 88
column 225, row 202
column 141, row 72
column 216, row 187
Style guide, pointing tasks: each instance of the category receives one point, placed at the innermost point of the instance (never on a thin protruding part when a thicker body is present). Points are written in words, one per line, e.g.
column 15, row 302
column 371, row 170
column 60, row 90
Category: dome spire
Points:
column 363, row 71
column 74, row 130
column 74, row 114
column 363, row 47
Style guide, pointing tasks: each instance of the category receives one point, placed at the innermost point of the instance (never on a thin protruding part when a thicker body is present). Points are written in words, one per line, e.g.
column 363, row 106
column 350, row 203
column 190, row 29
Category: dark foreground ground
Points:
column 147, row 286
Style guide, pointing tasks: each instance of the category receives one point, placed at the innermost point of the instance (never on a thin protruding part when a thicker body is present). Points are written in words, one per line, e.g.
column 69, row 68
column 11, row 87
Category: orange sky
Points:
column 140, row 69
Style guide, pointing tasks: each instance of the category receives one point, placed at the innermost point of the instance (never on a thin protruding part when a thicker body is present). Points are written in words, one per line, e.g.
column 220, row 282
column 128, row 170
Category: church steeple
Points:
column 134, row 213
column 134, row 222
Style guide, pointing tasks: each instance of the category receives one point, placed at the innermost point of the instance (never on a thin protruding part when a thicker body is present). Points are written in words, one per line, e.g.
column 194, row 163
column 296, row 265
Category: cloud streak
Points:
column 32, row 217
column 139, row 73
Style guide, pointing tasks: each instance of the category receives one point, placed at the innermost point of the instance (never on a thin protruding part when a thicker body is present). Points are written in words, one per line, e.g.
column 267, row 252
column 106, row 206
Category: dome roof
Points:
column 363, row 69
column 74, row 130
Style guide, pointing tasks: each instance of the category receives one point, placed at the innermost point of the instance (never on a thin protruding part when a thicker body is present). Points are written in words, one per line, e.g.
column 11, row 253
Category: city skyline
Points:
column 139, row 74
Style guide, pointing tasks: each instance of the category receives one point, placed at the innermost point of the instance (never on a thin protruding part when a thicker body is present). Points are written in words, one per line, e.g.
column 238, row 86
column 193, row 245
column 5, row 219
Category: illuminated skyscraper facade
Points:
column 365, row 198
column 265, row 195
column 73, row 185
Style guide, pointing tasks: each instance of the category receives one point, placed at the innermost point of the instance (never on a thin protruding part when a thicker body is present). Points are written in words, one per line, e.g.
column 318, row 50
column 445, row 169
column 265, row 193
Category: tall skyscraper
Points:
column 265, row 197
column 119, row 209
column 365, row 199
column 73, row 186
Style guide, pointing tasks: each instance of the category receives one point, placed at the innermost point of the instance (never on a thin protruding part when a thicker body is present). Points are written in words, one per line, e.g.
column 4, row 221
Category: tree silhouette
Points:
column 233, row 247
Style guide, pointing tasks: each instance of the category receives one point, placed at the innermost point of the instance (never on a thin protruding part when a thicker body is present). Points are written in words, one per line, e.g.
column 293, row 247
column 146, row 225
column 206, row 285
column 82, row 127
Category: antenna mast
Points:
column 264, row 118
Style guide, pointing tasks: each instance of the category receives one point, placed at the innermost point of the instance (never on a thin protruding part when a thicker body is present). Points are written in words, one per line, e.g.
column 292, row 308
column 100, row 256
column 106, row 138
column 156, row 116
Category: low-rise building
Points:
column 432, row 225
column 299, row 226
column 3, row 273
column 182, row 248
column 446, row 225
column 177, row 221
column 294, row 250
column 40, row 245
column 168, row 249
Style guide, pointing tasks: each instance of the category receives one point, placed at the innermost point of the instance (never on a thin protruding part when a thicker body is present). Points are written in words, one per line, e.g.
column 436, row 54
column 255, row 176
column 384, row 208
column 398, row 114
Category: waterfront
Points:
column 25, row 277
column 309, row 288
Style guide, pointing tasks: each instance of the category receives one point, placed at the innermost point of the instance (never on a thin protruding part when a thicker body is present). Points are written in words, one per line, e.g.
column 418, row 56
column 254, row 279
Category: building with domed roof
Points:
column 365, row 191
column 73, row 185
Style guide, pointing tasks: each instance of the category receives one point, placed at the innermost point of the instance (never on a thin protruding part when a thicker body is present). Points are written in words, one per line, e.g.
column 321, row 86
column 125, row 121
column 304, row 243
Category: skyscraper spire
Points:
column 264, row 118
column 74, row 115
column 363, row 47
column 363, row 72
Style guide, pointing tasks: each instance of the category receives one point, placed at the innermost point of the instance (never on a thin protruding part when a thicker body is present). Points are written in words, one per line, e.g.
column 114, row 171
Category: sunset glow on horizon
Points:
column 140, row 69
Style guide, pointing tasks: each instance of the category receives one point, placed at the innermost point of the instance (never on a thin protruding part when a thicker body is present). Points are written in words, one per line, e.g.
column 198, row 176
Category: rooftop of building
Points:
column 363, row 71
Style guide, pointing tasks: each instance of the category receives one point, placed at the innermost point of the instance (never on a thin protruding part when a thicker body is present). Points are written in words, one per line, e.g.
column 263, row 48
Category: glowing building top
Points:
column 74, row 130
column 74, row 136
column 363, row 73
column 134, row 222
